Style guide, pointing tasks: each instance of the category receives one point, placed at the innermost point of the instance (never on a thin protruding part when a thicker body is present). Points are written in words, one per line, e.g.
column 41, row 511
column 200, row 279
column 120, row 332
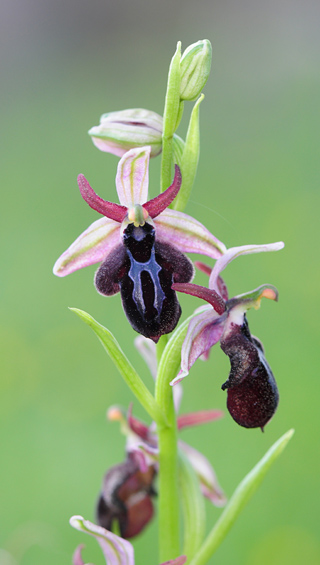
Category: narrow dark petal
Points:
column 158, row 204
column 222, row 287
column 196, row 418
column 204, row 293
column 203, row 267
column 111, row 271
column 137, row 426
column 113, row 211
column 252, row 391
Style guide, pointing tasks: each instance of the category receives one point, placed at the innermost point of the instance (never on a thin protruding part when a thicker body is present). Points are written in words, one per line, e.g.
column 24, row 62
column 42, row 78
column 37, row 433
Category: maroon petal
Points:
column 137, row 426
column 158, row 204
column 204, row 293
column 222, row 287
column 109, row 209
column 203, row 267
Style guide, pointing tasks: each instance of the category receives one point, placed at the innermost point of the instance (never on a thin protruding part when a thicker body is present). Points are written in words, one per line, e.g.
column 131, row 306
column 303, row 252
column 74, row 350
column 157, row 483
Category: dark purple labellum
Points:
column 144, row 270
column 126, row 497
column 252, row 391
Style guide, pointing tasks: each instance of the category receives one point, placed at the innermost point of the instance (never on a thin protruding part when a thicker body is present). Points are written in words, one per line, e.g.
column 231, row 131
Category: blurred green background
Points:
column 63, row 64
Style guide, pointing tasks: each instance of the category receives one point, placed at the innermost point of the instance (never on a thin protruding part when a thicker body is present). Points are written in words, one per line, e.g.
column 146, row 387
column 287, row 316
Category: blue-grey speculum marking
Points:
column 152, row 268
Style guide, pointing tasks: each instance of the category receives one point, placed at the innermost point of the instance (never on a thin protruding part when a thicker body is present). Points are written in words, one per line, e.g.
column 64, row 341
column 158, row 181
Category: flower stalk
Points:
column 169, row 543
column 194, row 515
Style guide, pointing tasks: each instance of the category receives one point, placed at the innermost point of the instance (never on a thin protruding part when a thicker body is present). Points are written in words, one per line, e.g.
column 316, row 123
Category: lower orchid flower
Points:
column 142, row 449
column 128, row 488
column 252, row 391
column 116, row 550
column 126, row 497
column 134, row 243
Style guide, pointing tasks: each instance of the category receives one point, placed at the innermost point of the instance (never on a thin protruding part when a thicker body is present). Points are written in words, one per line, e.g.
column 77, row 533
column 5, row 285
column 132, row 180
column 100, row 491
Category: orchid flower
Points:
column 252, row 391
column 134, row 243
column 127, row 489
column 116, row 550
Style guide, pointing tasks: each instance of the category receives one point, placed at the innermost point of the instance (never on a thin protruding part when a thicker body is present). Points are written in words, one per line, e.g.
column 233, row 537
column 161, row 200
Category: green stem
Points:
column 194, row 516
column 239, row 499
column 169, row 544
column 161, row 347
column 168, row 454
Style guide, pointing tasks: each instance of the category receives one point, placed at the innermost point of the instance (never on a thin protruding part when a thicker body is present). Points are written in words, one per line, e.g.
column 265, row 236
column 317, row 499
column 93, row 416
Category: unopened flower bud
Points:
column 195, row 69
column 120, row 131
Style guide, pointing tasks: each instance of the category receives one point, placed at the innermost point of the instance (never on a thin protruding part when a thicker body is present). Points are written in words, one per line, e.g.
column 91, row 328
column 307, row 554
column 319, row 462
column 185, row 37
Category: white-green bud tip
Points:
column 195, row 69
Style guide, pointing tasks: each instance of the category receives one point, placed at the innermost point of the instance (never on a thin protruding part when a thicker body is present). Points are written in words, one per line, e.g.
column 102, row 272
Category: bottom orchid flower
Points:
column 127, row 489
column 126, row 497
column 252, row 391
column 116, row 550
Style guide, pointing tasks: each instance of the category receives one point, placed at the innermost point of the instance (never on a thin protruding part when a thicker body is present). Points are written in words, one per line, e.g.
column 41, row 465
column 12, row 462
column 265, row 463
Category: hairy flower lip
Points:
column 252, row 394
